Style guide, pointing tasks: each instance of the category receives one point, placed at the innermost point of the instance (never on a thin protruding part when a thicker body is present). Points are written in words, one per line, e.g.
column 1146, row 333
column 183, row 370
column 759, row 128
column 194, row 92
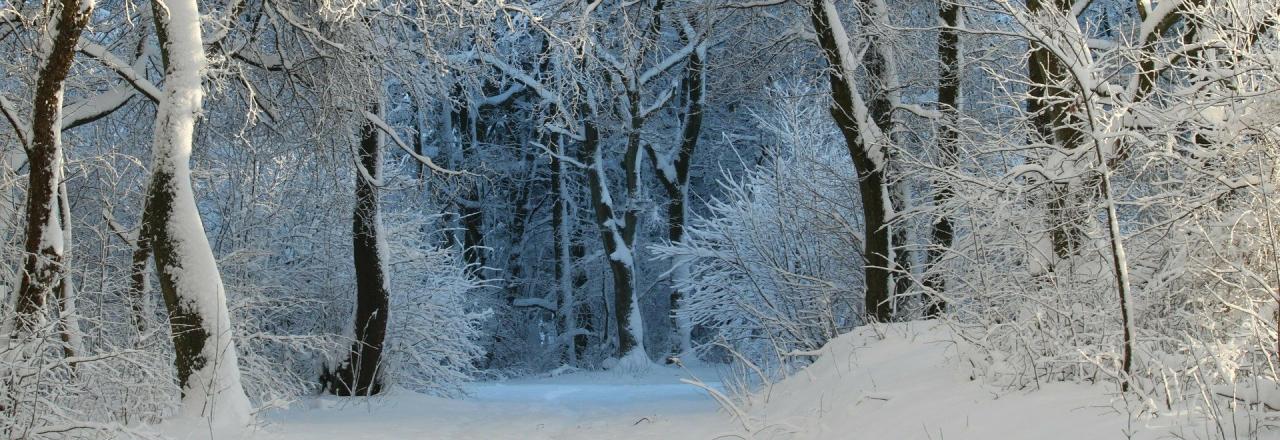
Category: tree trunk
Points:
column 627, row 303
column 42, row 265
column 583, row 310
column 139, row 282
column 562, row 230
column 871, row 179
column 68, row 322
column 208, row 370
column 360, row 375
column 675, row 179
column 470, row 212
column 515, row 244
column 899, row 198
column 1050, row 104
column 472, row 216
column 616, row 246
column 942, row 232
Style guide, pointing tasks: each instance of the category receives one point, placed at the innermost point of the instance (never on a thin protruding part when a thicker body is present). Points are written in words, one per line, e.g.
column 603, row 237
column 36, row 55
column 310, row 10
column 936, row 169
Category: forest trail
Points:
column 581, row 405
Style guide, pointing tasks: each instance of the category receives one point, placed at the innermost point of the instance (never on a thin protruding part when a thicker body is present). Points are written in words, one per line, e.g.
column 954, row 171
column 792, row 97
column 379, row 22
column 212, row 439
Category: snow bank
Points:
column 914, row 381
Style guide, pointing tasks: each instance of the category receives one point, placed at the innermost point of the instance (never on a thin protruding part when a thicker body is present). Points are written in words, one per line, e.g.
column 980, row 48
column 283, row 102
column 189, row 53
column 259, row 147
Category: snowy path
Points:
column 585, row 405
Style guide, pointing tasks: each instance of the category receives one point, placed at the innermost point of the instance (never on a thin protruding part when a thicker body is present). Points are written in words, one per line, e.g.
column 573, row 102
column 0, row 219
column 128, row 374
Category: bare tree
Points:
column 863, row 122
column 358, row 375
column 672, row 169
column 942, row 231
column 208, row 368
column 42, row 269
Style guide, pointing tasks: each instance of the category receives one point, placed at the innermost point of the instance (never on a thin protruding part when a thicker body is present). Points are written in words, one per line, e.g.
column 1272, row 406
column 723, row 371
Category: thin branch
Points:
column 382, row 125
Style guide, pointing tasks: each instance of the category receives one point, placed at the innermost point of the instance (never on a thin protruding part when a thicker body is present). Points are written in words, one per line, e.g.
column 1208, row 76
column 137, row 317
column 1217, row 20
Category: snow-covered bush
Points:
column 775, row 263
column 434, row 328
column 1192, row 187
column 44, row 394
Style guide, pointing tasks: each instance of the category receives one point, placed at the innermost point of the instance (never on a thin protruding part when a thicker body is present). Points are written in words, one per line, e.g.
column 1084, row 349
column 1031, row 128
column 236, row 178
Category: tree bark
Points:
column 677, row 185
column 871, row 178
column 562, row 231
column 578, row 251
column 42, row 265
column 205, row 353
column 139, row 285
column 360, row 375
column 68, row 322
column 942, row 232
column 613, row 236
column 470, row 213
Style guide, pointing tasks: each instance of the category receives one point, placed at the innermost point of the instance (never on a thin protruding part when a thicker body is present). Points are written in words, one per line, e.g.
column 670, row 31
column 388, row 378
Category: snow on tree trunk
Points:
column 42, row 269
column 673, row 171
column 617, row 250
column 359, row 375
column 863, row 138
column 68, row 318
column 208, row 369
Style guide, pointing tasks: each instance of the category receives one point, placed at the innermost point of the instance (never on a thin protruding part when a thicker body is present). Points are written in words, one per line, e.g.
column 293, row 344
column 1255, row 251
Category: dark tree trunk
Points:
column 419, row 128
column 577, row 251
column 1050, row 103
column 625, row 299
column 470, row 212
column 473, row 235
column 138, row 282
column 871, row 178
column 42, row 266
column 677, row 186
column 942, row 232
column 519, row 220
column 360, row 375
column 612, row 236
column 560, row 231
column 585, row 316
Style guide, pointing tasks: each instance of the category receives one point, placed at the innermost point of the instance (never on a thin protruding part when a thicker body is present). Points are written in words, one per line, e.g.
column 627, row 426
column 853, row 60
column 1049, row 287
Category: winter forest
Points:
column 640, row 219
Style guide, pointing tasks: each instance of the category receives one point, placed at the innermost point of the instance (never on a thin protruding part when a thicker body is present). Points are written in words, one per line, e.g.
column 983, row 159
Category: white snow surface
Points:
column 897, row 381
column 914, row 381
column 580, row 405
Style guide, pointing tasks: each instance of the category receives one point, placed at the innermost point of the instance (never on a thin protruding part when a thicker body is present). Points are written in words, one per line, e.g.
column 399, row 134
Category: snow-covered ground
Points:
column 914, row 381
column 580, row 405
column 902, row 381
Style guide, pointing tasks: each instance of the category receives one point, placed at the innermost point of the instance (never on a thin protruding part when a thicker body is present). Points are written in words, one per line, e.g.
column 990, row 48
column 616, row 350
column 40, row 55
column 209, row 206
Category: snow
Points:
column 581, row 405
column 896, row 381
column 912, row 380
column 135, row 74
column 872, row 137
column 213, row 400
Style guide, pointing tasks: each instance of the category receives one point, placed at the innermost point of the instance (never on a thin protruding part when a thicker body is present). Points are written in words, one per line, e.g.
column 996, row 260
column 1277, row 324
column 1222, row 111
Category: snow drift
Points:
column 915, row 381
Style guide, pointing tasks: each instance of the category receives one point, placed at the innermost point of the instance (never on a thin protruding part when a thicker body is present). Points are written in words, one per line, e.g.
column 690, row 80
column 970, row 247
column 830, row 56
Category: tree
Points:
column 359, row 373
column 942, row 231
column 863, row 123
column 42, row 270
column 672, row 169
column 206, row 360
